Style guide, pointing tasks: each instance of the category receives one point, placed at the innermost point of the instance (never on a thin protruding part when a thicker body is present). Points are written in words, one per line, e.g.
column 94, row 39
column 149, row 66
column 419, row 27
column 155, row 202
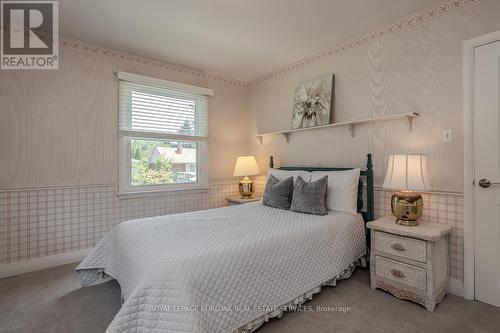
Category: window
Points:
column 163, row 129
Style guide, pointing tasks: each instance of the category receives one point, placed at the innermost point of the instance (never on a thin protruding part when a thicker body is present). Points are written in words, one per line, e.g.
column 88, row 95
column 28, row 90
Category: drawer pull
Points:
column 397, row 247
column 398, row 273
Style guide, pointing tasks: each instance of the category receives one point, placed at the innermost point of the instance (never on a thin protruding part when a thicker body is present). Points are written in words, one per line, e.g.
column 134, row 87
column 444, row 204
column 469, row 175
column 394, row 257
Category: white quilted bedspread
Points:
column 217, row 270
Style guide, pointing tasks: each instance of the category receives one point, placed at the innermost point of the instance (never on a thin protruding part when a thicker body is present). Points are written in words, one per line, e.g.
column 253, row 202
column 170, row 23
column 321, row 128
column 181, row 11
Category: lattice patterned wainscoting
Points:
column 36, row 223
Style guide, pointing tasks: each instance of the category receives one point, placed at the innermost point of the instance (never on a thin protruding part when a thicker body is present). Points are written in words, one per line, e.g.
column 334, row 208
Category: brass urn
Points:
column 246, row 188
column 407, row 206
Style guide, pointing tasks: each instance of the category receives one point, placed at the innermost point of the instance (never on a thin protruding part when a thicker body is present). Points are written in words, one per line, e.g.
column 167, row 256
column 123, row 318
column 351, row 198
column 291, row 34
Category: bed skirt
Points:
column 298, row 301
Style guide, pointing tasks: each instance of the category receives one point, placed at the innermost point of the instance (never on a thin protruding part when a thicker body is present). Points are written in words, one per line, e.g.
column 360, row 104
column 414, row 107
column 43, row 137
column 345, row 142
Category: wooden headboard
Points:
column 368, row 214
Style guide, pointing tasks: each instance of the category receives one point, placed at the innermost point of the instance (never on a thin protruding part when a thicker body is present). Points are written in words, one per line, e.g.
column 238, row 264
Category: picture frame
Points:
column 314, row 102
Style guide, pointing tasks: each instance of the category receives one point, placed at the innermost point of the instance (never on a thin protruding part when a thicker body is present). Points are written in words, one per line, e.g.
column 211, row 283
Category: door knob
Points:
column 486, row 183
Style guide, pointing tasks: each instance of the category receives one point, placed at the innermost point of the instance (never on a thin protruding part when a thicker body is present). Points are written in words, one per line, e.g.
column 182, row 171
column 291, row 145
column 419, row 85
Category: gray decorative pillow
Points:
column 278, row 193
column 310, row 198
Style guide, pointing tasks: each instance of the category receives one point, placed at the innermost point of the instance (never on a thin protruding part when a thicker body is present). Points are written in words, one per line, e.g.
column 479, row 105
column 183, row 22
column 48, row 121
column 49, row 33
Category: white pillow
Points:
column 342, row 191
column 284, row 174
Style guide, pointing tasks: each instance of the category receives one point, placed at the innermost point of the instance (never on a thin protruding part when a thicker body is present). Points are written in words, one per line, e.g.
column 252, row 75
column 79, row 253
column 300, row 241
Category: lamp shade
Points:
column 407, row 172
column 246, row 166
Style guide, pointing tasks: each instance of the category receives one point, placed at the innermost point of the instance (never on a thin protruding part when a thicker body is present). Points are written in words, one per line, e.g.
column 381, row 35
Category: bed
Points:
column 227, row 269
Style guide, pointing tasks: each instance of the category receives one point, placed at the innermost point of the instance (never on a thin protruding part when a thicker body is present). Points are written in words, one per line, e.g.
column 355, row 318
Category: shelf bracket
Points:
column 351, row 129
column 410, row 123
column 287, row 136
column 259, row 138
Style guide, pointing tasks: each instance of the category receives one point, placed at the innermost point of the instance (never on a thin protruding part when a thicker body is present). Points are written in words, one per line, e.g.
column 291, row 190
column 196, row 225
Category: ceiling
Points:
column 240, row 39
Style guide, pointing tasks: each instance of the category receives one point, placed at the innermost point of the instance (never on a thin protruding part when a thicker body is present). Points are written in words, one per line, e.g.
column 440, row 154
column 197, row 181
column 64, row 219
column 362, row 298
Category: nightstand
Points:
column 410, row 262
column 237, row 200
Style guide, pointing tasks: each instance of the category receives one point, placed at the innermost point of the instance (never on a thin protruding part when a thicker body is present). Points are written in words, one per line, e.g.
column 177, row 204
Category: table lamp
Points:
column 246, row 166
column 407, row 174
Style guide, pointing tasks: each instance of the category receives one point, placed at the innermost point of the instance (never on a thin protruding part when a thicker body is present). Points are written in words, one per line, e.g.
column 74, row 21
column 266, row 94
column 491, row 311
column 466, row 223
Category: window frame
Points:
column 125, row 187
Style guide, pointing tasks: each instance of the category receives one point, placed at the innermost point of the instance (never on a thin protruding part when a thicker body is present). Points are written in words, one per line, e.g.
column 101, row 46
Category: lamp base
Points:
column 246, row 188
column 407, row 207
column 407, row 223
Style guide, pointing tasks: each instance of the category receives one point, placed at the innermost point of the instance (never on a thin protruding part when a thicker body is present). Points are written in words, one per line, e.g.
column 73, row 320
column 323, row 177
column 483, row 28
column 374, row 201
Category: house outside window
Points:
column 163, row 129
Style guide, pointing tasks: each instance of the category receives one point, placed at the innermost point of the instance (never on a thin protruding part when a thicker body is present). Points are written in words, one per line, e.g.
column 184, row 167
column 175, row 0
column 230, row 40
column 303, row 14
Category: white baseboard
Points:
column 32, row 265
column 456, row 287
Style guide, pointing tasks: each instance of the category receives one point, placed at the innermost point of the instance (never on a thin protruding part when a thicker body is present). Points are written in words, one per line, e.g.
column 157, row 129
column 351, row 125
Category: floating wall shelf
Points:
column 351, row 124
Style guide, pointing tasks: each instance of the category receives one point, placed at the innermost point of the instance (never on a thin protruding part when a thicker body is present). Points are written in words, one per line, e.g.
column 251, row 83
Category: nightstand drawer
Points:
column 408, row 275
column 405, row 247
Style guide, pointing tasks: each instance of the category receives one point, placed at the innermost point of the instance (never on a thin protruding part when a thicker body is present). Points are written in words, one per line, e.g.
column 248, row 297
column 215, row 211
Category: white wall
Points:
column 58, row 131
column 59, row 148
column 59, row 127
column 415, row 69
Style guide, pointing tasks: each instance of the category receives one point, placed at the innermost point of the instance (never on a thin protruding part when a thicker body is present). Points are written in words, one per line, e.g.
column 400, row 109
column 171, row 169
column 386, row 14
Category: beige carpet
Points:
column 52, row 301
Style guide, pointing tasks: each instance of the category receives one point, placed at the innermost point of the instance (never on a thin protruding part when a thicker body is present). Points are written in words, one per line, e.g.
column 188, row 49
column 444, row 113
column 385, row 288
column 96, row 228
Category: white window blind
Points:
column 158, row 112
column 163, row 128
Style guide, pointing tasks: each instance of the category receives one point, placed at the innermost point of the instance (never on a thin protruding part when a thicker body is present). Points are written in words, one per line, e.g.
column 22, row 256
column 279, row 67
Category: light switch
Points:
column 447, row 135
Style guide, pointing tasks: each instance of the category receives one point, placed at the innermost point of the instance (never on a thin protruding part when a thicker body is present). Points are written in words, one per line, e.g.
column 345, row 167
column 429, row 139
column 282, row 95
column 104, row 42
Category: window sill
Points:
column 158, row 193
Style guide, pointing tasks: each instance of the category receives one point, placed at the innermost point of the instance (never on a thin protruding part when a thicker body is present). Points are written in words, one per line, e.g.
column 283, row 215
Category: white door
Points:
column 487, row 173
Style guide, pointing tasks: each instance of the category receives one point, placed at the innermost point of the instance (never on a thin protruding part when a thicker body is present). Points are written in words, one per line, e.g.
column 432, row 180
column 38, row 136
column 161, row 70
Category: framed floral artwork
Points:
column 313, row 102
